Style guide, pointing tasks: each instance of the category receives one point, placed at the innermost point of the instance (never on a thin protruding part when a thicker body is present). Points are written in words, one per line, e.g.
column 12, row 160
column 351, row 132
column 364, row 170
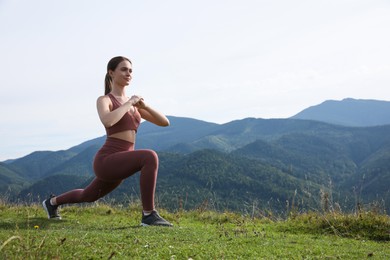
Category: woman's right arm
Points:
column 110, row 118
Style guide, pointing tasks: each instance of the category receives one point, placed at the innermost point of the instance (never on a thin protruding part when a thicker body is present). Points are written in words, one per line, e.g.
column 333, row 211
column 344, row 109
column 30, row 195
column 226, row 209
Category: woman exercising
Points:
column 117, row 159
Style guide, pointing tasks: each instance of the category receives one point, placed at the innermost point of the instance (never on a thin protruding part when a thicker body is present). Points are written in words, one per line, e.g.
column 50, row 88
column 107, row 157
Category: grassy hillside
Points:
column 106, row 232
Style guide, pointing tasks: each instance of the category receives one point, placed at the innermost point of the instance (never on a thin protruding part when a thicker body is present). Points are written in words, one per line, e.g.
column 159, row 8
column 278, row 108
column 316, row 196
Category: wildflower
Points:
column 36, row 227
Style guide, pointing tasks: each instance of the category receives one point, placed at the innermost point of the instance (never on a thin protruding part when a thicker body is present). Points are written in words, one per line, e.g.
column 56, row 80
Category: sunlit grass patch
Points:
column 365, row 225
column 110, row 232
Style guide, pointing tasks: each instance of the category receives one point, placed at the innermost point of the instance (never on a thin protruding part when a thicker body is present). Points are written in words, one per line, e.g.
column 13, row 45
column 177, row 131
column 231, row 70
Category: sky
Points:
column 215, row 61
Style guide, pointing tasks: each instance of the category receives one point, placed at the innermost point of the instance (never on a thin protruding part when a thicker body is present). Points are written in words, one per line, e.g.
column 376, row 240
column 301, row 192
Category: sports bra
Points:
column 129, row 121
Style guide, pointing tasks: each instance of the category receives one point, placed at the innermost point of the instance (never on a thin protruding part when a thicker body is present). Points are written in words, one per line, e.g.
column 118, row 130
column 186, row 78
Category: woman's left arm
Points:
column 151, row 115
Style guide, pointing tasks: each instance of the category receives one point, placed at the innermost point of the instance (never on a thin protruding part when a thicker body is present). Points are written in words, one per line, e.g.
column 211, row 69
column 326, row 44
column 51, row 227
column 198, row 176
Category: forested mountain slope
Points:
column 261, row 161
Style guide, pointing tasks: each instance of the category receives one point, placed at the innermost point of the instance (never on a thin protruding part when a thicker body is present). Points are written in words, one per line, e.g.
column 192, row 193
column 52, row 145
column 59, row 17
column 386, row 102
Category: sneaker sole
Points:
column 47, row 211
column 147, row 225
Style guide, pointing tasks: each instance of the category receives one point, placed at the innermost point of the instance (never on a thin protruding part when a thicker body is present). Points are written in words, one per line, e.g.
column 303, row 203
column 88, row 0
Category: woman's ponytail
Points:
column 107, row 84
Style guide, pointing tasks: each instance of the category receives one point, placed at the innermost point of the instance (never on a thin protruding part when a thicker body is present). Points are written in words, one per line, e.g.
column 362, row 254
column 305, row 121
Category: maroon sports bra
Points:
column 127, row 122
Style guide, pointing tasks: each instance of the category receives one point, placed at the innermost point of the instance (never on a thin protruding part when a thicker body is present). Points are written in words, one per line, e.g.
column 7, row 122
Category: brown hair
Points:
column 112, row 64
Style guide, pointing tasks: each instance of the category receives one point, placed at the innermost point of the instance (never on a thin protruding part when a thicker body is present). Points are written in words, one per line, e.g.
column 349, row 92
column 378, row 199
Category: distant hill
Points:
column 234, row 165
column 11, row 183
column 338, row 147
column 349, row 112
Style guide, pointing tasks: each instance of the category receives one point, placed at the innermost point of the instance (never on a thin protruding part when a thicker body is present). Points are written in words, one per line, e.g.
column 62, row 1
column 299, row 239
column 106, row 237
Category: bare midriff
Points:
column 128, row 135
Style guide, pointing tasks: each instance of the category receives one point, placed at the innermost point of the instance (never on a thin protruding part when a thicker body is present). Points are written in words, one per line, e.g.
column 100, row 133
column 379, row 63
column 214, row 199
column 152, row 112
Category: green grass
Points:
column 102, row 231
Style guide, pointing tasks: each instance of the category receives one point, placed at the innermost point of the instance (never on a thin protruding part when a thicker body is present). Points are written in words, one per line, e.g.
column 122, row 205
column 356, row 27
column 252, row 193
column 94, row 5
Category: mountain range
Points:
column 349, row 112
column 272, row 164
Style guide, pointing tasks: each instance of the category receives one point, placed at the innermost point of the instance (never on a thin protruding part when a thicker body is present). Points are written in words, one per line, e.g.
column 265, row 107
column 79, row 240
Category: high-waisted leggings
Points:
column 113, row 163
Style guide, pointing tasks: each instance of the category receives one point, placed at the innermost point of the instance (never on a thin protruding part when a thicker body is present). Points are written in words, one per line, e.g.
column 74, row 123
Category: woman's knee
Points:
column 151, row 157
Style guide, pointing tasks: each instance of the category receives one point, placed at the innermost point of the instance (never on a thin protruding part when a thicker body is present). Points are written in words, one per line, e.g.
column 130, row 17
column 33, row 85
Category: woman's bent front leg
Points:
column 122, row 165
column 148, row 179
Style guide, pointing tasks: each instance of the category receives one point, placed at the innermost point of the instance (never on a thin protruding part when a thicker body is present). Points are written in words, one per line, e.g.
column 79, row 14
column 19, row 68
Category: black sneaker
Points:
column 154, row 219
column 52, row 211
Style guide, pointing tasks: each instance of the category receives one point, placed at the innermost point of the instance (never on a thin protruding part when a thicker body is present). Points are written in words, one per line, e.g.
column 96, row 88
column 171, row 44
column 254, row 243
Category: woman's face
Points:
column 122, row 74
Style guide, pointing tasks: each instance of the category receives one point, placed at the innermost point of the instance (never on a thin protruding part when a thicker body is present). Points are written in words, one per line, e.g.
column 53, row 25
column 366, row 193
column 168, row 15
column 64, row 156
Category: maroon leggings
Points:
column 113, row 163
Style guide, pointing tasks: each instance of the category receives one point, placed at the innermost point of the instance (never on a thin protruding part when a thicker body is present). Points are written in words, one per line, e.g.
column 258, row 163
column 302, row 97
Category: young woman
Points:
column 117, row 159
